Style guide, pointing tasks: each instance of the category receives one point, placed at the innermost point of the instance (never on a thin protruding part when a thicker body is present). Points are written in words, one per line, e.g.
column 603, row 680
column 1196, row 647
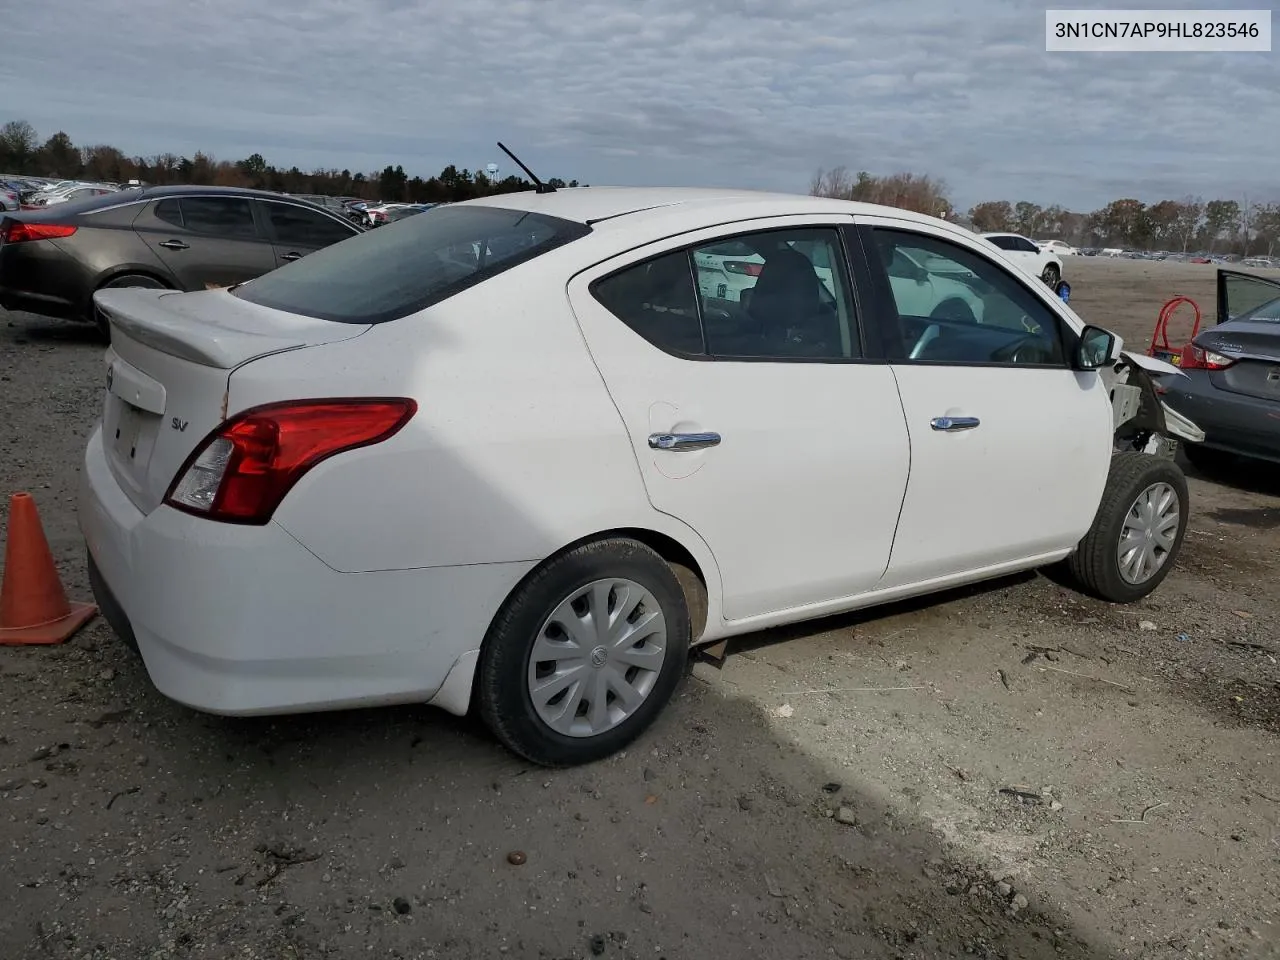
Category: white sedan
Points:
column 505, row 456
column 1059, row 247
column 1039, row 262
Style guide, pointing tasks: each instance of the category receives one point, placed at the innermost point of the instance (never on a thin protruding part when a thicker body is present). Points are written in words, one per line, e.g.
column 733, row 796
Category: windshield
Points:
column 409, row 264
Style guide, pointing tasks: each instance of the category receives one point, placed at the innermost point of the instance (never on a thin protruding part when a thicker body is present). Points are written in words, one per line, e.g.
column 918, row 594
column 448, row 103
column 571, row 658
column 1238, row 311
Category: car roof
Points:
column 179, row 190
column 637, row 205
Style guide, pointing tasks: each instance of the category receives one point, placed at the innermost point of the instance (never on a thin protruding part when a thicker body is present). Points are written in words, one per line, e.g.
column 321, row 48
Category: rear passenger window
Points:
column 169, row 212
column 775, row 295
column 229, row 217
column 782, row 294
column 657, row 299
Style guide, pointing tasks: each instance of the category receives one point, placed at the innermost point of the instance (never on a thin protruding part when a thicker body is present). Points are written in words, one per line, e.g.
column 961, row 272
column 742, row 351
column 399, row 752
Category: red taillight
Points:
column 746, row 267
column 15, row 231
column 1196, row 358
column 241, row 471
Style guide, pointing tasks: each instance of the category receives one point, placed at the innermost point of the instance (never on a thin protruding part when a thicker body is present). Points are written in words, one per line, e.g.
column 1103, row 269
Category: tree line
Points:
column 1188, row 224
column 23, row 152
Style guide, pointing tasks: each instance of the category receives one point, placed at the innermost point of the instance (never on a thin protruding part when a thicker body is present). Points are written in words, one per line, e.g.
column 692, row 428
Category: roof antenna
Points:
column 538, row 185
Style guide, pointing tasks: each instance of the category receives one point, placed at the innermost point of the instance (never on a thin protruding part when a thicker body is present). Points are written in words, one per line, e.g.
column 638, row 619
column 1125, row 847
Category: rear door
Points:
column 1010, row 447
column 296, row 230
column 207, row 241
column 758, row 414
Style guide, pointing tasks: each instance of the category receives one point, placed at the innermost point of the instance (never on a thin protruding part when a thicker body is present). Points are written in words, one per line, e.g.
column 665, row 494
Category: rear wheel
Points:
column 585, row 654
column 1137, row 532
column 1051, row 275
column 128, row 280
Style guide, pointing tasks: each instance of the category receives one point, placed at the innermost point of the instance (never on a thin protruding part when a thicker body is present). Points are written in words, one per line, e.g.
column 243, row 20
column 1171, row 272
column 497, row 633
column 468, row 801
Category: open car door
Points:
column 1240, row 293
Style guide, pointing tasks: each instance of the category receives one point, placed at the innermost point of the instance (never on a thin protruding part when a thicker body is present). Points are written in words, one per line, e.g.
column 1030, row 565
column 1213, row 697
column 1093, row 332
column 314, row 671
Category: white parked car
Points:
column 1058, row 247
column 508, row 455
column 78, row 193
column 1044, row 264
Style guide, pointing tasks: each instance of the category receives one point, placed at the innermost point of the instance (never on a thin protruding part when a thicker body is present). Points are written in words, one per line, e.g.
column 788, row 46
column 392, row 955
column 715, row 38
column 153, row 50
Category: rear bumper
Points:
column 39, row 277
column 47, row 305
column 1233, row 422
column 244, row 620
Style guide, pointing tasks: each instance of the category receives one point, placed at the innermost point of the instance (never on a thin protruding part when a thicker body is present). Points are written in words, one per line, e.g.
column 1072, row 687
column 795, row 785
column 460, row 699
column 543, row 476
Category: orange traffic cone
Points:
column 33, row 605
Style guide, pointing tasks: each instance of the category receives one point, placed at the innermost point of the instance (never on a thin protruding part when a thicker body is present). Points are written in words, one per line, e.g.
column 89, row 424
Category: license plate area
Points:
column 128, row 431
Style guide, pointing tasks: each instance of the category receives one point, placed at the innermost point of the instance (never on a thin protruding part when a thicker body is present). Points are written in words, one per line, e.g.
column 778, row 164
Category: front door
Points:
column 1010, row 447
column 206, row 242
column 754, row 416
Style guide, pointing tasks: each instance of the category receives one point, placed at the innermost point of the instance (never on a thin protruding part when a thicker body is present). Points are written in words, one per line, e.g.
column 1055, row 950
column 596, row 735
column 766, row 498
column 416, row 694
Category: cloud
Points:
column 748, row 93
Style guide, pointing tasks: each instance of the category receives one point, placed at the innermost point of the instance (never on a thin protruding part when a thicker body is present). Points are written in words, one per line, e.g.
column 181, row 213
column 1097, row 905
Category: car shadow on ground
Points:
column 848, row 621
column 1246, row 475
column 397, row 829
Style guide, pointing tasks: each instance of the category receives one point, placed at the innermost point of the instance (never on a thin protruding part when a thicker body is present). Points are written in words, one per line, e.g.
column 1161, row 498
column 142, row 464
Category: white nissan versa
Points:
column 512, row 454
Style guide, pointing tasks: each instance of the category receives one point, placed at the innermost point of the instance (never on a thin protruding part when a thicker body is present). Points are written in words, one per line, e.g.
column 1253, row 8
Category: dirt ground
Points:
column 1007, row 772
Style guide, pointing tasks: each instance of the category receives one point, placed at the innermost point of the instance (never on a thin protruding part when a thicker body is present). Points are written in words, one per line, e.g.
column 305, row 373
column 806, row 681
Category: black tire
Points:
column 502, row 693
column 1051, row 275
column 127, row 280
column 1095, row 566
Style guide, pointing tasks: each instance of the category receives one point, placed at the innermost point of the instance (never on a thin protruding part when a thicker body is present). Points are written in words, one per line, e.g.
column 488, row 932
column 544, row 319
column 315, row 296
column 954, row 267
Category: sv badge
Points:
column 178, row 425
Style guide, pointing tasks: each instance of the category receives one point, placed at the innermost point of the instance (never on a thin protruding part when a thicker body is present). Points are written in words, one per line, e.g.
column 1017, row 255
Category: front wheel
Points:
column 585, row 654
column 1137, row 532
column 1051, row 275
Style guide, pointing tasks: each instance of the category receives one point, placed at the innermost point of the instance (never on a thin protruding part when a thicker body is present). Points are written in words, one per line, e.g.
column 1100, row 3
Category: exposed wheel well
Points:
column 692, row 580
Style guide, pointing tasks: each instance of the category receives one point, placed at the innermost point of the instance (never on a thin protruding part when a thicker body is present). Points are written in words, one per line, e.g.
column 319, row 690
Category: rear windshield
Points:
column 410, row 264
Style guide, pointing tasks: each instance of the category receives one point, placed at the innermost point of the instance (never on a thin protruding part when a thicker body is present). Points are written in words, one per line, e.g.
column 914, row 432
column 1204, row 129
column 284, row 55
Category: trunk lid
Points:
column 1255, row 346
column 170, row 361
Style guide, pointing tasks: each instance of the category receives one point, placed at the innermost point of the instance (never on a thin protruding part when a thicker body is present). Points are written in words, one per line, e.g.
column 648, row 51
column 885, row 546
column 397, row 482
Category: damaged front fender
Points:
column 1140, row 419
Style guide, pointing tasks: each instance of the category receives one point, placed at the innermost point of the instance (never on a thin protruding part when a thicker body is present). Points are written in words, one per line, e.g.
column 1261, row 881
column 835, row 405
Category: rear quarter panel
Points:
column 106, row 246
column 515, row 452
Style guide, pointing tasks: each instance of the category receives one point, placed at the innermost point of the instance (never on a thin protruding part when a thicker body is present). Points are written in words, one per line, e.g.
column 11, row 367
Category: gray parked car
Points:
column 1232, row 383
column 54, row 259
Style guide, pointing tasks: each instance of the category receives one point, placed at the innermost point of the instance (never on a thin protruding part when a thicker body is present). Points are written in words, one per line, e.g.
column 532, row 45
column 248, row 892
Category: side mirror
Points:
column 1095, row 348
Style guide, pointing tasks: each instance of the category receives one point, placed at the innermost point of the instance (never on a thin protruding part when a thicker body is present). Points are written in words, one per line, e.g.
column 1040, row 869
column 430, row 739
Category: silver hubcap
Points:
column 1150, row 529
column 597, row 657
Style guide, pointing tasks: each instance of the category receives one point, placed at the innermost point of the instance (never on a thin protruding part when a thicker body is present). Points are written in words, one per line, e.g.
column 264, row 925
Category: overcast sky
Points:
column 741, row 93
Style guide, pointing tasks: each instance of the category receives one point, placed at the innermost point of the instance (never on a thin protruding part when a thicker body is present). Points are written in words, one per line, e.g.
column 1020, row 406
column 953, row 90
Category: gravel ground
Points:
column 1012, row 771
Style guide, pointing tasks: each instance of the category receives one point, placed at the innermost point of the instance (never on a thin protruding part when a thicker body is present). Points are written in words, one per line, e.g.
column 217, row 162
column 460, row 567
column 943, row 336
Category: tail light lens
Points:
column 15, row 231
column 1197, row 358
column 745, row 267
column 241, row 471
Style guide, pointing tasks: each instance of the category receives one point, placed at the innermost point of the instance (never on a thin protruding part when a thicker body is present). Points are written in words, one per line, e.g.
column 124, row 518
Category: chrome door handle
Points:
column 683, row 441
column 952, row 424
column 291, row 256
column 174, row 244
